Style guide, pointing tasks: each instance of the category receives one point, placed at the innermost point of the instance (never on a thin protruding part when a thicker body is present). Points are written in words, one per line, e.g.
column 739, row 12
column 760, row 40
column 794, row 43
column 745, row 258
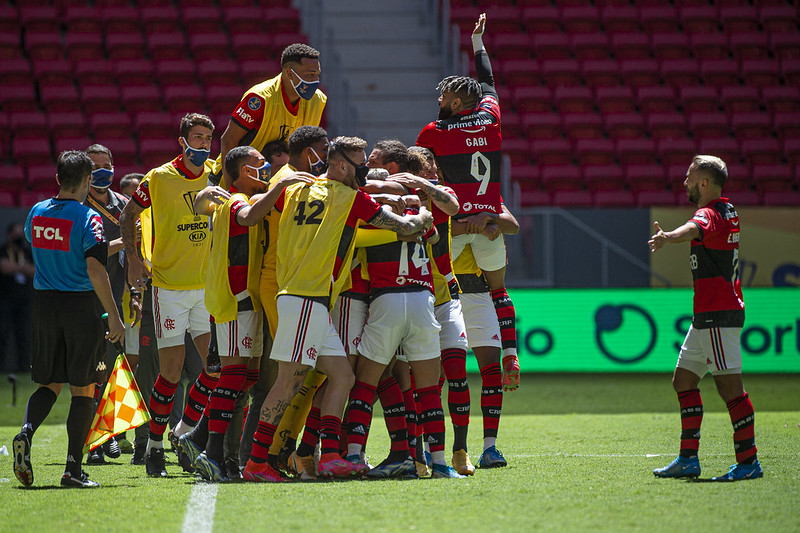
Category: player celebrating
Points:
column 466, row 141
column 712, row 343
column 316, row 241
column 178, row 251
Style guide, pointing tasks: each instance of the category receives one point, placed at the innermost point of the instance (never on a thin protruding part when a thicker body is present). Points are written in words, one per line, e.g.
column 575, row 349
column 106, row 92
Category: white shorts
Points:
column 489, row 255
column 305, row 332
column 242, row 337
column 132, row 338
column 715, row 350
column 349, row 316
column 453, row 333
column 176, row 312
column 480, row 319
column 403, row 320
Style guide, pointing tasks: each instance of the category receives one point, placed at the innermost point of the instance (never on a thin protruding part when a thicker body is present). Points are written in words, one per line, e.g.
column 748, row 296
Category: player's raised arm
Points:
column 483, row 66
column 404, row 225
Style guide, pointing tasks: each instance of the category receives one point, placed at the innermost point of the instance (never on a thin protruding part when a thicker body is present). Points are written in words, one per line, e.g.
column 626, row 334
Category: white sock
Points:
column 182, row 429
column 154, row 444
column 437, row 458
column 354, row 449
column 488, row 442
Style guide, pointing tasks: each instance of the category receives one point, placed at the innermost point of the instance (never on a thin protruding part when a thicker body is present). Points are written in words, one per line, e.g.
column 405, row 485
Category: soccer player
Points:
column 69, row 252
column 466, row 141
column 712, row 343
column 178, row 244
column 316, row 241
column 231, row 293
column 273, row 109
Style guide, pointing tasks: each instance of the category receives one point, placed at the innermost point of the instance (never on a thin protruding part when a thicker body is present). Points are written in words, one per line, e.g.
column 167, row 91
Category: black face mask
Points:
column 361, row 170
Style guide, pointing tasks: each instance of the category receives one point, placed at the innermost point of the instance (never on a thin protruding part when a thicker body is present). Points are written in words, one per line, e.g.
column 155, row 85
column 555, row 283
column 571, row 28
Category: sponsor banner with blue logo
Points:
column 641, row 330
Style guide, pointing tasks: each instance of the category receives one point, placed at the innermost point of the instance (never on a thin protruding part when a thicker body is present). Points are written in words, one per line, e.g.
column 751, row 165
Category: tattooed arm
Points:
column 443, row 199
column 404, row 225
column 137, row 272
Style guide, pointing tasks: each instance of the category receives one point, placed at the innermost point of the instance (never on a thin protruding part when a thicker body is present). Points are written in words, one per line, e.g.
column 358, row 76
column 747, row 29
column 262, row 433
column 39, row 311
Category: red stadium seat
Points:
column 772, row 177
column 506, row 17
column 533, row 99
column 201, row 18
column 60, row 97
column 224, row 98
column 256, row 46
column 561, row 72
column 551, row 45
column 791, row 150
column 787, row 125
column 82, row 46
column 512, row 46
column 15, row 71
column 545, row 18
column 175, row 71
column 93, row 72
column 209, row 46
column 590, row 46
column 750, row 45
column 719, row 72
column 662, row 18
column 518, row 151
column 520, row 72
column 545, row 125
column 528, row 177
column 761, row 151
column 39, row 18
column 282, row 40
column 595, row 152
column 80, row 142
column 785, row 45
column 43, row 45
column 573, row 198
column 658, row 198
column 699, row 19
column 124, row 151
column 738, row 18
column 781, row 99
column 18, row 98
column 41, row 176
column 738, row 99
column 70, row 124
column 615, row 198
column 709, row 45
column 680, row 72
column 630, row 46
column 255, row 70
column 27, row 124
column 217, row 72
column 511, row 125
column 564, row 177
column 51, row 71
column 28, row 198
column 777, row 18
column 166, row 45
column 725, row 148
column 640, row 72
column 782, row 198
column 82, row 19
column 790, row 69
column 583, row 125
column 160, row 19
column 141, row 98
column 582, row 18
column 620, row 19
column 125, row 45
column 154, row 152
column 607, row 177
column 11, row 45
column 572, row 99
column 709, row 124
column 134, row 72
column 110, row 125
column 615, row 99
column 243, row 19
column 154, row 124
column 667, row 125
column 551, row 151
column 738, row 177
column 9, row 19
column 101, row 98
column 655, row 98
column 676, row 150
column 645, row 177
column 761, row 72
column 624, row 125
column 184, row 98
column 31, row 151
column 670, row 46
column 120, row 19
column 751, row 125
column 699, row 98
column 7, row 198
column 636, row 151
column 601, row 72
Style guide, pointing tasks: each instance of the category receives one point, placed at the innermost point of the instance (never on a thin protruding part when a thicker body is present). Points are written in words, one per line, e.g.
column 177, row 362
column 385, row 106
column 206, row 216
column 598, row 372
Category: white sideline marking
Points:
column 199, row 517
column 604, row 455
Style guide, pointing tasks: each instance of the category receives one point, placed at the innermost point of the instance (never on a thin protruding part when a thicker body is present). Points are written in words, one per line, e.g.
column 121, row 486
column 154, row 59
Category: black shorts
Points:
column 68, row 338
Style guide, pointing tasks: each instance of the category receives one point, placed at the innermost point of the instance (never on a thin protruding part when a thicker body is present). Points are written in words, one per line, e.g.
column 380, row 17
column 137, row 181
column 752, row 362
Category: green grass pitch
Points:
column 580, row 447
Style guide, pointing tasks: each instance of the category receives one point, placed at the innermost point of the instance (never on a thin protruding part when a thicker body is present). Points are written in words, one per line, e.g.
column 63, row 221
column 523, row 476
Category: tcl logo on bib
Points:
column 51, row 233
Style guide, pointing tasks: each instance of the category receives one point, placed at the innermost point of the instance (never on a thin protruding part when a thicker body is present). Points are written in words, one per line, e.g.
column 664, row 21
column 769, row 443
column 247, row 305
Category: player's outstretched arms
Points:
column 263, row 203
column 208, row 199
column 684, row 233
column 404, row 225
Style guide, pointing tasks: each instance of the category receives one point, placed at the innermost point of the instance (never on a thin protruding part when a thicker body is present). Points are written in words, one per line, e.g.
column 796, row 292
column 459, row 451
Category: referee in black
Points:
column 69, row 252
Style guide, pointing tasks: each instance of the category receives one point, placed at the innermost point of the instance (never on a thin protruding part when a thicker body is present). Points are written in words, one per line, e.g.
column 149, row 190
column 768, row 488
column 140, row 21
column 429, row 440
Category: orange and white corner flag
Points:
column 121, row 408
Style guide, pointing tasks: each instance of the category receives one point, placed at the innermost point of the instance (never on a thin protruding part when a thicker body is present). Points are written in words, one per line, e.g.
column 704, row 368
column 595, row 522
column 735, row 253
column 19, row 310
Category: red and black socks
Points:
column 691, row 418
column 359, row 416
column 221, row 404
column 491, row 402
column 432, row 420
column 743, row 420
column 198, row 398
column 394, row 415
column 507, row 318
column 160, row 406
column 311, row 433
column 329, row 428
column 454, row 364
column 262, row 440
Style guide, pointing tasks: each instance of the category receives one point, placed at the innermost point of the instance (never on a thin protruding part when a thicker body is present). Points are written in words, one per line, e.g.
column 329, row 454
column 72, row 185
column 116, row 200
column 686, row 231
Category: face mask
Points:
column 361, row 170
column 319, row 166
column 101, row 178
column 305, row 89
column 197, row 156
column 262, row 172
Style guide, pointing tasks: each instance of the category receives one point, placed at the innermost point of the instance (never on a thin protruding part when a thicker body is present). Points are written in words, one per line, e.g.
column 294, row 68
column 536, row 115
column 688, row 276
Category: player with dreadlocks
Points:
column 467, row 142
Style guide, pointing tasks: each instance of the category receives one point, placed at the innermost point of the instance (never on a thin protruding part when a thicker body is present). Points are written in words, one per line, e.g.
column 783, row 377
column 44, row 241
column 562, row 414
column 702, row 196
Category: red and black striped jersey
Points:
column 714, row 261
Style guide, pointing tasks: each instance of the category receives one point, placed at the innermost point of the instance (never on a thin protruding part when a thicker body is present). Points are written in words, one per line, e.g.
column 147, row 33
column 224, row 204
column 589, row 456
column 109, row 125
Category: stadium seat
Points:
column 699, row 98
column 154, row 124
column 82, row 19
column 564, row 177
column 282, row 40
column 27, row 124
column 614, row 198
column 777, row 18
column 699, row 19
column 125, row 45
column 551, row 45
column 18, row 98
column 11, row 179
column 573, row 99
column 645, row 177
column 217, row 72
column 43, row 45
column 624, row 125
column 615, row 99
column 41, row 176
column 80, row 46
column 520, row 72
column 561, row 72
column 791, row 151
column 640, row 72
column 664, row 197
column 670, row 46
column 9, row 19
column 511, row 124
column 725, row 148
column 244, row 19
column 785, row 45
column 28, row 198
column 601, row 72
column 513, row 46
column 782, row 198
column 154, row 152
column 751, row 125
column 166, row 46
column 60, row 97
column 518, row 151
column 579, row 125
column 51, row 71
column 551, row 151
column 539, row 19
column 36, row 18
column 635, row 151
column 110, row 125
column 31, row 151
column 11, row 45
column 590, row 46
column 141, row 98
column 93, row 72
column 545, row 125
column 7, row 197
column 667, row 125
column 209, row 46
column 737, row 99
column 256, row 70
column 761, row 151
column 719, row 72
column 750, row 45
column 790, row 70
column 620, row 19
column 15, row 71
column 254, row 46
column 709, row 45
column 124, row 151
column 160, row 19
column 80, row 142
column 708, row 124
column 120, row 19
column 662, row 18
column 175, row 71
column 761, row 72
column 101, row 98
column 506, row 17
column 738, row 18
column 70, row 124
column 772, row 177
column 533, row 99
column 680, row 72
column 605, row 177
column 134, row 72
column 580, row 19
column 201, row 18
column 656, row 98
column 184, row 98
column 676, row 150
column 781, row 99
column 739, row 177
column 528, row 177
column 787, row 125
column 628, row 46
column 573, row 198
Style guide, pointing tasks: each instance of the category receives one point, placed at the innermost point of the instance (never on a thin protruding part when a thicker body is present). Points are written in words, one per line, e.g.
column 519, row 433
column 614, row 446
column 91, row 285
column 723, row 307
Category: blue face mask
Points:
column 319, row 167
column 102, row 177
column 262, row 172
column 197, row 156
column 305, row 89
